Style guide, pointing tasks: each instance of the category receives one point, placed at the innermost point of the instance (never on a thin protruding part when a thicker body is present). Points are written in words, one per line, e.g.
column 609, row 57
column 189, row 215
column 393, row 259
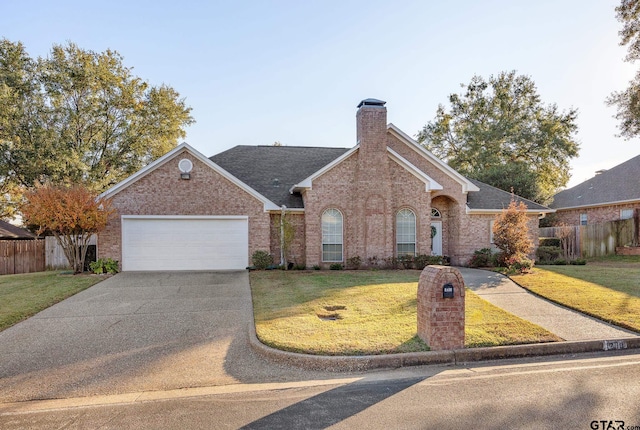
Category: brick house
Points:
column 611, row 195
column 384, row 197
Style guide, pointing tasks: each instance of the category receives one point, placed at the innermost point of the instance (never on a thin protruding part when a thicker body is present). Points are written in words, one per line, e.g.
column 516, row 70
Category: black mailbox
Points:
column 447, row 291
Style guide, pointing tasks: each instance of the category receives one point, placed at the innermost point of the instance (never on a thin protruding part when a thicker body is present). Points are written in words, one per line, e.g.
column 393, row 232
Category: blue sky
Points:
column 256, row 72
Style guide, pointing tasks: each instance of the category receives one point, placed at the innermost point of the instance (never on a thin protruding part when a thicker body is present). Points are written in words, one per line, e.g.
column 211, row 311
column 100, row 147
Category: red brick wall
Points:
column 297, row 247
column 594, row 215
column 162, row 192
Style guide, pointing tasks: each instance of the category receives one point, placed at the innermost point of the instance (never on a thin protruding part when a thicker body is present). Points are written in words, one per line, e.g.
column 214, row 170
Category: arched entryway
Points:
column 444, row 225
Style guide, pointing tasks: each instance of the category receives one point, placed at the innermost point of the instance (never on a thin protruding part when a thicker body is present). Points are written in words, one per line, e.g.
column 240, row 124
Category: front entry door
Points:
column 436, row 237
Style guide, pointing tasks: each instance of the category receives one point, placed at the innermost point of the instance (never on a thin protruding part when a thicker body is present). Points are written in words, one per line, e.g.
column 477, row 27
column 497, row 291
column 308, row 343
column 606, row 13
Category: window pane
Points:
column 331, row 235
column 405, row 232
column 626, row 213
column 406, row 249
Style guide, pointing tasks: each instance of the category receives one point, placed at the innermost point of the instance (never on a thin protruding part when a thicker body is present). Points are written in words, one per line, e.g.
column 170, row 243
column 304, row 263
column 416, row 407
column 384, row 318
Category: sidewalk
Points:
column 566, row 323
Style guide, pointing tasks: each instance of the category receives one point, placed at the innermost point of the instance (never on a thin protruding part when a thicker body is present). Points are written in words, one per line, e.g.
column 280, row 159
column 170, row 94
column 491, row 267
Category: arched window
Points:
column 332, row 235
column 435, row 213
column 405, row 232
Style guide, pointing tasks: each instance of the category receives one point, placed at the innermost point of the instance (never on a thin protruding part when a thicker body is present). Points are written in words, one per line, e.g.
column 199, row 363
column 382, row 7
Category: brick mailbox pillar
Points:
column 441, row 308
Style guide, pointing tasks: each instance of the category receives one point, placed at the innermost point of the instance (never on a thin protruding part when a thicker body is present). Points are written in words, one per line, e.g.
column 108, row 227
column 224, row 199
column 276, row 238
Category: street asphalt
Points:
column 164, row 331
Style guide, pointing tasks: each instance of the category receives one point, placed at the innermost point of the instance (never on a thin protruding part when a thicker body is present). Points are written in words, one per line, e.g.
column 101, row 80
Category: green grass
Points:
column 365, row 312
column 22, row 296
column 606, row 288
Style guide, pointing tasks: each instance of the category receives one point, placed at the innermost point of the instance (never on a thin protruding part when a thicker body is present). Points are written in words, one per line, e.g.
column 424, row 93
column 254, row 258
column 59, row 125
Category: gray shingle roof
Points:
column 11, row 232
column 492, row 198
column 273, row 170
column 621, row 183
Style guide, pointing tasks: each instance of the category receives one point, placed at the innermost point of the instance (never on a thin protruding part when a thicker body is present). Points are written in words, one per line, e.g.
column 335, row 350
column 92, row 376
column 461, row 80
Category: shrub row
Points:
column 262, row 260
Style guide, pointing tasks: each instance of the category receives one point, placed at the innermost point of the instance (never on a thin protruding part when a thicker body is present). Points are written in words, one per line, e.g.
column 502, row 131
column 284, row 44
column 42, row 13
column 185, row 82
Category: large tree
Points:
column 79, row 116
column 628, row 101
column 498, row 131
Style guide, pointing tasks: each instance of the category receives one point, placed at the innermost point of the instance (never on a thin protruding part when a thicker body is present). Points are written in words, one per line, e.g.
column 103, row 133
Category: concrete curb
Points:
column 458, row 356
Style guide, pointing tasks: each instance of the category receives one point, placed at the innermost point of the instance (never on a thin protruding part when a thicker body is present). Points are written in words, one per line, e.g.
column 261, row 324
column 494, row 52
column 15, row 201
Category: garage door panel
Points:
column 185, row 243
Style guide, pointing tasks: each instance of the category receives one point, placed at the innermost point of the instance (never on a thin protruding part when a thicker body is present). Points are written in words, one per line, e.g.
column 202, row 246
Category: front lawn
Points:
column 22, row 296
column 608, row 289
column 365, row 312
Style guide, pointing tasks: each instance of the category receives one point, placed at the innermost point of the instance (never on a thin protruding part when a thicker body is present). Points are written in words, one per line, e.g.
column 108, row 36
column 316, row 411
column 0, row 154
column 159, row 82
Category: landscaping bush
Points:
column 560, row 262
column 579, row 262
column 316, row 267
column 518, row 263
column 262, row 260
column 104, row 265
column 391, row 263
column 421, row 261
column 548, row 254
column 405, row 261
column 550, row 241
column 354, row 262
column 373, row 261
column 483, row 258
column 336, row 266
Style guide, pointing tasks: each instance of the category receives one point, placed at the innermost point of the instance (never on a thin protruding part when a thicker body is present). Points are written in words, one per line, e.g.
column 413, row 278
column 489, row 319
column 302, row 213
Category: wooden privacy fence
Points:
column 55, row 258
column 596, row 240
column 21, row 256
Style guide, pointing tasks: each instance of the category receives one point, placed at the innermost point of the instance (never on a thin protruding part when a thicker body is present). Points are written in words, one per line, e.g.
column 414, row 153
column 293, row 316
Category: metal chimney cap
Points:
column 372, row 102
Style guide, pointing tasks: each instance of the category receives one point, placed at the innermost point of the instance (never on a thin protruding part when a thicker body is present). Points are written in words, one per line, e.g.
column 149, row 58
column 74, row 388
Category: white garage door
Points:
column 184, row 243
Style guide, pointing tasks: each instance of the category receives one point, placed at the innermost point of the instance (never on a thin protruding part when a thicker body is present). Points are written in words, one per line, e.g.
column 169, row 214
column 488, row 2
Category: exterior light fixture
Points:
column 185, row 166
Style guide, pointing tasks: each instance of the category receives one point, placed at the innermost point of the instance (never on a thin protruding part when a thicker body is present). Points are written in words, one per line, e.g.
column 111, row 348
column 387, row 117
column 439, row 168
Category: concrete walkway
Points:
column 566, row 323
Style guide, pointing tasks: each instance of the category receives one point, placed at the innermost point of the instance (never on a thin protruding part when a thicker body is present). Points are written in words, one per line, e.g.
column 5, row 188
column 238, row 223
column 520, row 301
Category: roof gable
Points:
column 617, row 185
column 274, row 170
column 430, row 183
column 465, row 183
column 268, row 204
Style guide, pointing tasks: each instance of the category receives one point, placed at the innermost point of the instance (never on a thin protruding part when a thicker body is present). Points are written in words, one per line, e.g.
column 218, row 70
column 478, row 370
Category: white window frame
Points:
column 583, row 219
column 626, row 213
column 405, row 232
column 332, row 224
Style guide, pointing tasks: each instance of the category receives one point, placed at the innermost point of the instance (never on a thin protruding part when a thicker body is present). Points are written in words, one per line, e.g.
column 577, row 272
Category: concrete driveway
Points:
column 137, row 332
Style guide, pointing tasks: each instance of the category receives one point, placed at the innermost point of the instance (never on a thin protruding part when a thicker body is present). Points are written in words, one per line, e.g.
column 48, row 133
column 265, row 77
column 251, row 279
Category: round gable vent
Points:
column 185, row 165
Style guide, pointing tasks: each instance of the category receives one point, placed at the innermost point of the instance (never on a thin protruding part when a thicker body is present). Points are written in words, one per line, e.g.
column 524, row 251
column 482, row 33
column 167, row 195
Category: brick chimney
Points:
column 371, row 128
column 374, row 232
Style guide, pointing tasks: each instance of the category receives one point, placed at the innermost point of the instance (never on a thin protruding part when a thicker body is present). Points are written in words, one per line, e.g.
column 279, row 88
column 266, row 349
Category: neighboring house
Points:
column 384, row 197
column 11, row 232
column 611, row 195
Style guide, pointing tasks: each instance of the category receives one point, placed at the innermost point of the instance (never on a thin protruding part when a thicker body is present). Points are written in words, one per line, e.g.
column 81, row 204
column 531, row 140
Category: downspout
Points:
column 282, row 262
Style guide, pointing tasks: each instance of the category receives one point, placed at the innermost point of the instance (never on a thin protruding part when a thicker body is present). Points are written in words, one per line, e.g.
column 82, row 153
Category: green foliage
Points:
column 578, row 262
column 421, row 261
column 354, row 262
column 316, row 267
column 405, row 261
column 628, row 13
column 550, row 241
column 548, row 254
column 483, row 258
column 336, row 266
column 79, row 116
column 499, row 130
column 262, row 260
column 104, row 265
column 518, row 263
